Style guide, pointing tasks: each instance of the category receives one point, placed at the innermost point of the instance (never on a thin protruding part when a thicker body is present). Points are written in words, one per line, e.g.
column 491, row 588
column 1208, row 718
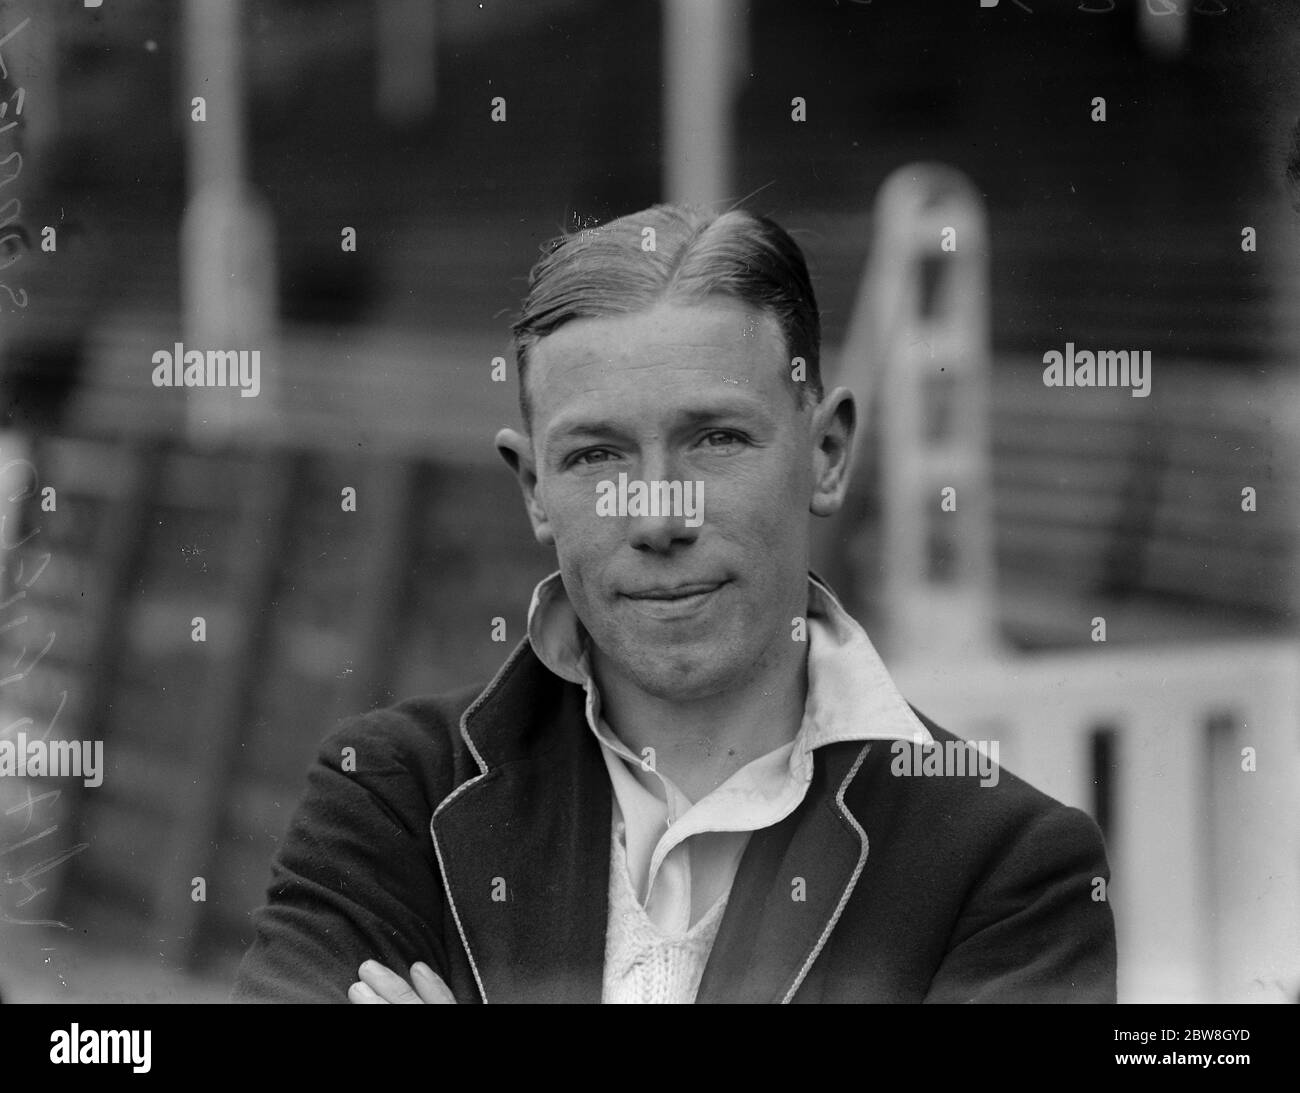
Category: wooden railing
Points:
column 1189, row 758
column 310, row 612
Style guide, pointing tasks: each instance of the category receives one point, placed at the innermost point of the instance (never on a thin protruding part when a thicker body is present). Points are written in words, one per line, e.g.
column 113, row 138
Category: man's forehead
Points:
column 710, row 344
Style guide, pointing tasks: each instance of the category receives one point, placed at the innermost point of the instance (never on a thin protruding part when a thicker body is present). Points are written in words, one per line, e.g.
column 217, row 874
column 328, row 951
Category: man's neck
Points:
column 699, row 744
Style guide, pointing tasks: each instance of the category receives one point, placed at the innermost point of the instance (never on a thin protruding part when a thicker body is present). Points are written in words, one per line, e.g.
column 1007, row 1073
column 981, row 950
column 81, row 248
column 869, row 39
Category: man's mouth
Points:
column 674, row 603
column 676, row 592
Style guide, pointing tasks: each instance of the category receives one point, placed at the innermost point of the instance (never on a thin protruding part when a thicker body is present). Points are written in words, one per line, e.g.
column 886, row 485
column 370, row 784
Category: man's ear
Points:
column 833, row 427
column 517, row 450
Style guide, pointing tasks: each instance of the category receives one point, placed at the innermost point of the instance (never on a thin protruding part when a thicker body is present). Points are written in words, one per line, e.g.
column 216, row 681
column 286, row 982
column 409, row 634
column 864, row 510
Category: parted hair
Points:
column 606, row 271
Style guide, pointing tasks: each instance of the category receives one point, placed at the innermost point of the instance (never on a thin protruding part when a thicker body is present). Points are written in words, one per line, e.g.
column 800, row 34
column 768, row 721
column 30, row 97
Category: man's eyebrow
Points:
column 733, row 408
column 562, row 429
column 750, row 409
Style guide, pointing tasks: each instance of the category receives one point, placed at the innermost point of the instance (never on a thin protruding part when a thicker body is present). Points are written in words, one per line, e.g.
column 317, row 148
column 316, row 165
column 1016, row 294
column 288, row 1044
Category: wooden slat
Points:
column 383, row 580
column 260, row 540
column 119, row 561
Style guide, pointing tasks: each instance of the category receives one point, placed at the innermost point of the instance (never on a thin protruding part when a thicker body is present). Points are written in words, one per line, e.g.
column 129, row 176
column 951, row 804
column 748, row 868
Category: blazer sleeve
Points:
column 1034, row 930
column 355, row 878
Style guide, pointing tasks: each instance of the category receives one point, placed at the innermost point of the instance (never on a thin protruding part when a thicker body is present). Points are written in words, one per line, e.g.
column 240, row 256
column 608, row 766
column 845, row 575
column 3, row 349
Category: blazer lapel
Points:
column 524, row 847
column 793, row 880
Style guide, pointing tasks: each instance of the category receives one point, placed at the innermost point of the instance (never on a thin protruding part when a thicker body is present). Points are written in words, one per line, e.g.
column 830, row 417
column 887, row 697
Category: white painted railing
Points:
column 1204, row 852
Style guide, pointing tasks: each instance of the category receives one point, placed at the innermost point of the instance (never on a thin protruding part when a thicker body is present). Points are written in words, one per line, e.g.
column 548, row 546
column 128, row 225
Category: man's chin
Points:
column 682, row 675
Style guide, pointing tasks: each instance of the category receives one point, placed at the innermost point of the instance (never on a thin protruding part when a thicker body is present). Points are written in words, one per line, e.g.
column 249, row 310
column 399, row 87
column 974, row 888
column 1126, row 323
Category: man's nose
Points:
column 660, row 533
column 668, row 529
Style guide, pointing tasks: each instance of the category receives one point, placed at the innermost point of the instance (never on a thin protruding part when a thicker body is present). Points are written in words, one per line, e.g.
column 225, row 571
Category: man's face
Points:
column 695, row 394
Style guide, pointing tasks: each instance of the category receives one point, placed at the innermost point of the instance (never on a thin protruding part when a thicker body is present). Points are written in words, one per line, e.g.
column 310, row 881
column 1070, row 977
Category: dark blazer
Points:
column 474, row 835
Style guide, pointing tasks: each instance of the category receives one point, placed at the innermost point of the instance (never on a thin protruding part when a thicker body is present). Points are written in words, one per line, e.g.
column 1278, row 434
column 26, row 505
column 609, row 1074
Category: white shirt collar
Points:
column 850, row 693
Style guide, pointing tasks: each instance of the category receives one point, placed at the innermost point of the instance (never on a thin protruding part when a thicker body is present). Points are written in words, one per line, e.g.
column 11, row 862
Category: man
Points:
column 679, row 787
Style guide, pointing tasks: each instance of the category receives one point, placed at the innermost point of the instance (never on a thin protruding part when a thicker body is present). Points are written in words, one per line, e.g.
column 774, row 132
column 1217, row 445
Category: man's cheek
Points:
column 748, row 498
column 572, row 515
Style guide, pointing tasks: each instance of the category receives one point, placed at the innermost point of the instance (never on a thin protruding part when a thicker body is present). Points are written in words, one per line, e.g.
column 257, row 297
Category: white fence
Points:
column 1158, row 745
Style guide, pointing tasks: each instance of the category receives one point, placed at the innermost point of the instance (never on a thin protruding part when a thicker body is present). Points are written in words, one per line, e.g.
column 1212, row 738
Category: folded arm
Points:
column 355, row 879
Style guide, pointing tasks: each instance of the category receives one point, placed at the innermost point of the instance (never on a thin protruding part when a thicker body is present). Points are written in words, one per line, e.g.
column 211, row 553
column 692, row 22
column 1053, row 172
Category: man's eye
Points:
column 590, row 456
column 721, row 438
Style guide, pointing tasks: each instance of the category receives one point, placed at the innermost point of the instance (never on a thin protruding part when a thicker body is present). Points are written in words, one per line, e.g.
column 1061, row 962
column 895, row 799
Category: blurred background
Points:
column 454, row 137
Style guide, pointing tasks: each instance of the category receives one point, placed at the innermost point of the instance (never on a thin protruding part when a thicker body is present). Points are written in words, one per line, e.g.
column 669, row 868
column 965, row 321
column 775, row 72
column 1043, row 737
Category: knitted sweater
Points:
column 642, row 964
